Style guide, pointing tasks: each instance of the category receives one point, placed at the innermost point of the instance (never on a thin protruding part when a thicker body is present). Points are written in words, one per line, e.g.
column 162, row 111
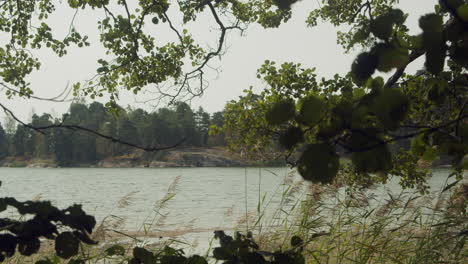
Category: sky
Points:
column 292, row 42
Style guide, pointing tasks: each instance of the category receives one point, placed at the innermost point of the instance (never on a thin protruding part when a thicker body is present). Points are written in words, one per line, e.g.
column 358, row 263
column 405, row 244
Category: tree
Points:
column 3, row 143
column 202, row 124
column 361, row 113
column 19, row 140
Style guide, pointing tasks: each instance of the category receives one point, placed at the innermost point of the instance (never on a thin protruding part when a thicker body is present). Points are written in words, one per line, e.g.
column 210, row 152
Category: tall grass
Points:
column 337, row 225
column 340, row 225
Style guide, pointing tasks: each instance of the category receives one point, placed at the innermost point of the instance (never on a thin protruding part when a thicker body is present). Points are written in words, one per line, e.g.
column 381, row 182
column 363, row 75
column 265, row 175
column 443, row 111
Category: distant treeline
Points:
column 164, row 127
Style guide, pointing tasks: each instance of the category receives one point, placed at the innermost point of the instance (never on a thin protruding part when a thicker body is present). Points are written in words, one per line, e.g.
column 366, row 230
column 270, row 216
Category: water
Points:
column 205, row 198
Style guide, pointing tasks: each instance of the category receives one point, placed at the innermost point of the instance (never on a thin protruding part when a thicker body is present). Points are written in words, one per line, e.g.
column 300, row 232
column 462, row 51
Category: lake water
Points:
column 202, row 198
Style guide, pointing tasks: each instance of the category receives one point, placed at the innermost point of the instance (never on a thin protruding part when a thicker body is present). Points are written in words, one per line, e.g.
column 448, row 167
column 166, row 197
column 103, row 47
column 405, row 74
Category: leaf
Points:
column 382, row 26
column 143, row 256
column 363, row 67
column 312, row 110
column 418, row 146
column 369, row 153
column 291, row 137
column 281, row 112
column 66, row 245
column 377, row 159
column 83, row 237
column 195, row 259
column 29, row 247
column 431, row 23
column 390, row 107
column 296, row 241
column 7, row 245
column 3, row 205
column 115, row 250
column 462, row 12
column 319, row 163
column 430, row 154
column 437, row 90
column 173, row 260
column 222, row 253
column 390, row 58
column 376, row 83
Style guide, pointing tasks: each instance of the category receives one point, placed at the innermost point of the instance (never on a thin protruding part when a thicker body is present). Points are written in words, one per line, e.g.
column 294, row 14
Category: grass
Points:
column 337, row 226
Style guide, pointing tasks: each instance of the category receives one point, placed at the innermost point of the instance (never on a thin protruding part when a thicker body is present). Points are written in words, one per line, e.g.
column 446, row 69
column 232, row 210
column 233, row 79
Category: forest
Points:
column 178, row 125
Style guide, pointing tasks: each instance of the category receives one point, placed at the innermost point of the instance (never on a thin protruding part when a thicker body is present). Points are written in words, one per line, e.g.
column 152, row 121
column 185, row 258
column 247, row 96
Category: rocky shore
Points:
column 183, row 157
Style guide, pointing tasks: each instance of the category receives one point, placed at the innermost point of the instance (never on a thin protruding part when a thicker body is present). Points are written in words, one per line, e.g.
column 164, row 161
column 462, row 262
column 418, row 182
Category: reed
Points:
column 337, row 225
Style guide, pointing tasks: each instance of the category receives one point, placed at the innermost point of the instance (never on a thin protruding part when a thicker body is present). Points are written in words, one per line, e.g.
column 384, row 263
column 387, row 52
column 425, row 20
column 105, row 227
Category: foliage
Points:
column 360, row 115
column 47, row 221
column 165, row 127
column 134, row 57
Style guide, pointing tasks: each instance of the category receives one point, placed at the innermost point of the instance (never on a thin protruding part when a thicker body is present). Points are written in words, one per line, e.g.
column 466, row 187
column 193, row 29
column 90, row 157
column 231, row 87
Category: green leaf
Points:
column 115, row 250
column 319, row 163
column 312, row 110
column 390, row 58
column 143, row 255
column 382, row 27
column 222, row 253
column 431, row 23
column 462, row 12
column 281, row 112
column 390, row 107
column 66, row 245
column 195, row 259
column 437, row 90
column 418, row 146
column 378, row 159
column 430, row 154
column 376, row 83
column 291, row 137
column 296, row 241
column 363, row 67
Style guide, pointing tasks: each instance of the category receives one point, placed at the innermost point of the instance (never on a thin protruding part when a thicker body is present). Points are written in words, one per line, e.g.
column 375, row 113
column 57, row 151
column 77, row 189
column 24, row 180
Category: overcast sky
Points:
column 313, row 47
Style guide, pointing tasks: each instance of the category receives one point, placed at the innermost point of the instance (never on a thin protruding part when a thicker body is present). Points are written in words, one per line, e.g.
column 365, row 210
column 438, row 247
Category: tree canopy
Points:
column 361, row 115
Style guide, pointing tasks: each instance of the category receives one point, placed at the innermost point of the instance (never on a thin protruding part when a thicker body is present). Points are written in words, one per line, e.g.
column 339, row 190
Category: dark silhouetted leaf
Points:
column 115, row 250
column 281, row 112
column 462, row 12
column 312, row 110
column 222, row 253
column 319, row 163
column 291, row 137
column 195, row 259
column 390, row 58
column 7, row 245
column 363, row 67
column 390, row 107
column 29, row 247
column 378, row 159
column 143, row 255
column 296, row 241
column 66, row 245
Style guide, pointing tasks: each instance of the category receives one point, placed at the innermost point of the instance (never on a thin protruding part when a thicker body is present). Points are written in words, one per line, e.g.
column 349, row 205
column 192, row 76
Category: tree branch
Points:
column 41, row 130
